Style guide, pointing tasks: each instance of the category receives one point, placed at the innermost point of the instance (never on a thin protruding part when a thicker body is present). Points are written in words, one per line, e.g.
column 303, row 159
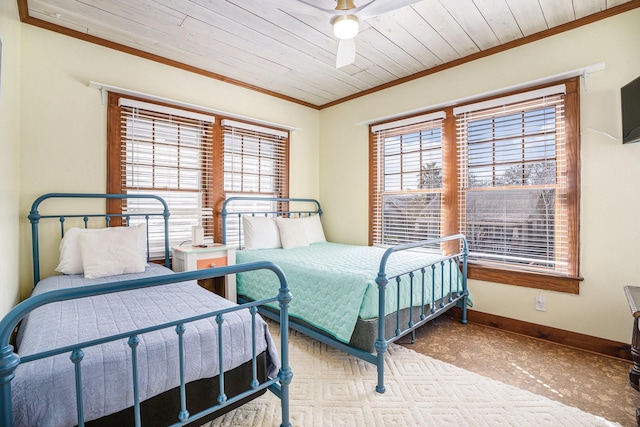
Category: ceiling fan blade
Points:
column 330, row 11
column 337, row 12
column 346, row 52
column 380, row 7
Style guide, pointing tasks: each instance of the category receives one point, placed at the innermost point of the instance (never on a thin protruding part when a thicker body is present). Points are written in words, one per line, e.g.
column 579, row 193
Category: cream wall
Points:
column 610, row 199
column 64, row 122
column 9, row 154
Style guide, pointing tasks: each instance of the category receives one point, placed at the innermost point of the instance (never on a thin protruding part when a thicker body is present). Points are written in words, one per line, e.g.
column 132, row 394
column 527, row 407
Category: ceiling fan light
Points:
column 345, row 26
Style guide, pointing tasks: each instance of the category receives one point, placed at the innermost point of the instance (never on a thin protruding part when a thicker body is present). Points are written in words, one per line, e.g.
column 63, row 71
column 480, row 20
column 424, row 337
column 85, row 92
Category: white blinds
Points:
column 407, row 179
column 511, row 99
column 409, row 121
column 256, row 128
column 169, row 154
column 163, row 109
column 512, row 184
column 255, row 163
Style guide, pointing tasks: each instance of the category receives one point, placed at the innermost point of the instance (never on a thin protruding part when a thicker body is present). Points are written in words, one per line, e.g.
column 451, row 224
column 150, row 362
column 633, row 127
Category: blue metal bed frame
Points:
column 436, row 309
column 9, row 360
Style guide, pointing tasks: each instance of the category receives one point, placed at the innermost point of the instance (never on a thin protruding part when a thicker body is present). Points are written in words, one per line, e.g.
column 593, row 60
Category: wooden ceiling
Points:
column 286, row 48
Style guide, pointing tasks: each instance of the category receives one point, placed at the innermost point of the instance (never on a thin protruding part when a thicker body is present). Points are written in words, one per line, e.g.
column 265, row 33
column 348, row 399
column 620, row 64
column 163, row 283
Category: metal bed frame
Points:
column 9, row 360
column 417, row 278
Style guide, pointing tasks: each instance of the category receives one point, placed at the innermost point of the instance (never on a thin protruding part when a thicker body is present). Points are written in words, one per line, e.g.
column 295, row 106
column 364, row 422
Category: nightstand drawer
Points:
column 201, row 264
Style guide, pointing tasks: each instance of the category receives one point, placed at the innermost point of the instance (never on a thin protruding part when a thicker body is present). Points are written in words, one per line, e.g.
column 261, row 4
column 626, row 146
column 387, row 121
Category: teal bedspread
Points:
column 333, row 284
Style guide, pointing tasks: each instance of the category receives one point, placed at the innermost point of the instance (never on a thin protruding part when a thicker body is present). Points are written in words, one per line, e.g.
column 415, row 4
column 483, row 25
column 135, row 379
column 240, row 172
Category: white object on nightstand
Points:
column 191, row 258
column 197, row 236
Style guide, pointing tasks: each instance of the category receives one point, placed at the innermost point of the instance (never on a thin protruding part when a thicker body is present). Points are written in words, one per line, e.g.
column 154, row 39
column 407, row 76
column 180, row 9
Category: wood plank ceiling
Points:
column 286, row 48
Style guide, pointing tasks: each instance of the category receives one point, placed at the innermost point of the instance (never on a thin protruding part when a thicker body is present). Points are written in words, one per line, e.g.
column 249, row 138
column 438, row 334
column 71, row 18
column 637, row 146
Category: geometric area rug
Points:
column 332, row 388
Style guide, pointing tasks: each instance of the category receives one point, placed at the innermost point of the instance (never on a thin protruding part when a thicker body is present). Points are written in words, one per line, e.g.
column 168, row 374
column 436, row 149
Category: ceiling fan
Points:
column 346, row 22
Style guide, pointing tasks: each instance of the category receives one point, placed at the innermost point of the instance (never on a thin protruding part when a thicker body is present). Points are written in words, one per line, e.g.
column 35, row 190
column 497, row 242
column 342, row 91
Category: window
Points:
column 255, row 164
column 255, row 160
column 193, row 160
column 511, row 186
column 408, row 196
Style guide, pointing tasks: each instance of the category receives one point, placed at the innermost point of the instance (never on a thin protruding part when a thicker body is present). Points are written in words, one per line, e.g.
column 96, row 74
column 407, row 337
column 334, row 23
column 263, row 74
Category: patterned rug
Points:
column 331, row 388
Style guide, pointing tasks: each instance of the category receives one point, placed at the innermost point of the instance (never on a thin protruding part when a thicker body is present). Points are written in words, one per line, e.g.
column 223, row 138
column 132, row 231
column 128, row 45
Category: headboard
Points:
column 34, row 216
column 235, row 207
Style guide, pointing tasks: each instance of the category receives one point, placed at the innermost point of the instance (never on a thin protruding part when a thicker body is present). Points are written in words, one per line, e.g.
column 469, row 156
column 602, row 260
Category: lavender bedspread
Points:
column 44, row 390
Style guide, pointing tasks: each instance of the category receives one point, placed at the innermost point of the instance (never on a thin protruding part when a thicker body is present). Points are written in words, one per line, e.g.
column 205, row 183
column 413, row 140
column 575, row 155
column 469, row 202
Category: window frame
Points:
column 213, row 191
column 420, row 135
column 568, row 283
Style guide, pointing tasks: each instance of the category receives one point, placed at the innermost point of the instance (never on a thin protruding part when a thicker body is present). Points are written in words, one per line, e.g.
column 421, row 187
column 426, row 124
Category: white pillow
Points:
column 111, row 251
column 260, row 233
column 70, row 261
column 312, row 224
column 293, row 232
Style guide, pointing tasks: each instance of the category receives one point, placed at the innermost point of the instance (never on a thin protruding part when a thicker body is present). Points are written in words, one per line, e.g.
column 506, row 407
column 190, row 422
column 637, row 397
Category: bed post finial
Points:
column 34, row 218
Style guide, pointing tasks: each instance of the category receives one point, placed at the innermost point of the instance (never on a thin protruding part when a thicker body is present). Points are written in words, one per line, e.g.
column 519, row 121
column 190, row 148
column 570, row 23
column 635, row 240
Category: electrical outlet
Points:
column 541, row 303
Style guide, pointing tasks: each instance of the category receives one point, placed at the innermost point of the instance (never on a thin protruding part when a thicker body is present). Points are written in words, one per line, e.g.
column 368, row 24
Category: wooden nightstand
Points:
column 189, row 258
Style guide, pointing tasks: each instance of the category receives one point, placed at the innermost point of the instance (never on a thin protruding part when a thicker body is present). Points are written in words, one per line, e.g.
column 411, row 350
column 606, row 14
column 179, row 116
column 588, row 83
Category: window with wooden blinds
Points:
column 167, row 152
column 513, row 187
column 255, row 159
column 407, row 180
column 255, row 164
column 193, row 160
column 504, row 171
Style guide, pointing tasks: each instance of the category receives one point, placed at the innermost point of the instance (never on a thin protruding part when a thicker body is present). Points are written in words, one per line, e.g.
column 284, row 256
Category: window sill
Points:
column 527, row 279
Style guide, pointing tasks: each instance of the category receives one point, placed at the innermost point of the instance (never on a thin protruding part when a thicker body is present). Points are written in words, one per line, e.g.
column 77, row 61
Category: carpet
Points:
column 332, row 388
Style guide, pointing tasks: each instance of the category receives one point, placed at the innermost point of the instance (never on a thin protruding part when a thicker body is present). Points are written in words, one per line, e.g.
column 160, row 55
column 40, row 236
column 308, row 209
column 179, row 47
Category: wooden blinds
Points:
column 255, row 159
column 513, row 188
column 167, row 152
column 407, row 179
column 256, row 162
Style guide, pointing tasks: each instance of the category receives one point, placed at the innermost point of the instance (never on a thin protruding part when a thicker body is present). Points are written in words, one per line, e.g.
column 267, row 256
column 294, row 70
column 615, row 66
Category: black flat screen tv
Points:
column 630, row 94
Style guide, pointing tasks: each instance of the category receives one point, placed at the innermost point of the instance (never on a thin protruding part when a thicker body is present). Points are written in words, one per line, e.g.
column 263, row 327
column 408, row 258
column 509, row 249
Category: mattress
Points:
column 44, row 390
column 333, row 285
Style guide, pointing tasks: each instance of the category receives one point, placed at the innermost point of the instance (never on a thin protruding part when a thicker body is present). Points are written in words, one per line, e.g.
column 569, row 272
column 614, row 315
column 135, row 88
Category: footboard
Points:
column 431, row 279
column 450, row 290
column 9, row 360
